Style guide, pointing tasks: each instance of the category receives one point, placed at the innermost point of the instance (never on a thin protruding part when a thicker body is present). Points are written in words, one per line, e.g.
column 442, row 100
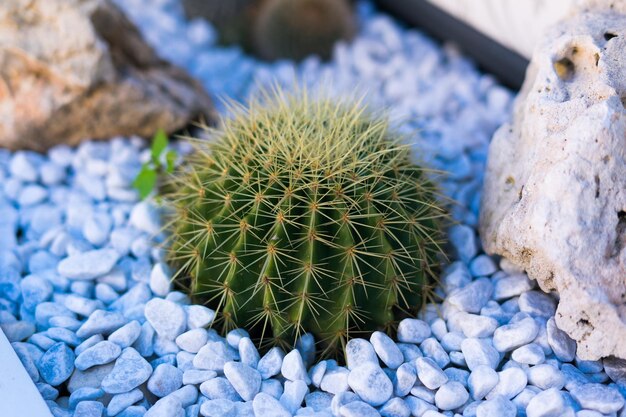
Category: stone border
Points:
column 18, row 395
column 507, row 65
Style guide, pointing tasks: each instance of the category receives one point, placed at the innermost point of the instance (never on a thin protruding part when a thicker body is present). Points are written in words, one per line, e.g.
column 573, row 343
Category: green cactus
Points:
column 305, row 215
column 295, row 29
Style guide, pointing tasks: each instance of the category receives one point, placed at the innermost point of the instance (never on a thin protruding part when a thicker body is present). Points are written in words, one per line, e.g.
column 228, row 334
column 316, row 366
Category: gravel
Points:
column 87, row 302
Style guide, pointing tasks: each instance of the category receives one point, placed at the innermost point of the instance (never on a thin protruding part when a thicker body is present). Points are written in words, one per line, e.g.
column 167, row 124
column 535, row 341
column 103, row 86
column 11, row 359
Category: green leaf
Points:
column 170, row 158
column 159, row 143
column 145, row 181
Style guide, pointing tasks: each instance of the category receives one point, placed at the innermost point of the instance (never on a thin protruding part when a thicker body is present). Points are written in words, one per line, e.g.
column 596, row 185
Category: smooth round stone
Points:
column 245, row 380
column 57, row 364
column 196, row 376
column 463, row 238
column 546, row 404
column 395, row 407
column 472, row 297
column 514, row 335
column 615, row 368
column 511, row 381
column 404, row 379
column 126, row 335
column 266, row 405
column 511, row 286
column 370, row 383
column 432, row 349
column 477, row 326
column 496, row 407
column 274, row 388
column 89, row 409
column 602, row 398
column 164, row 380
column 18, row 331
column 386, row 350
column 358, row 409
column 342, row 399
column 167, row 318
column 359, row 351
column 219, row 387
column 413, row 331
column 99, row 354
column 101, row 322
column 270, row 364
column 198, row 316
column 169, row 406
column 482, row 265
column 317, row 372
column 537, row 303
column 160, row 280
column 293, row 367
column 84, row 394
column 429, row 373
column 218, row 408
column 562, row 345
column 479, row 352
column 531, row 354
column 451, row 395
column 130, row 371
column 481, row 381
column 294, row 394
column 248, row 353
column 145, row 217
column 120, row 402
column 192, row 340
column 35, row 290
column 545, row 376
column 335, row 380
column 88, row 265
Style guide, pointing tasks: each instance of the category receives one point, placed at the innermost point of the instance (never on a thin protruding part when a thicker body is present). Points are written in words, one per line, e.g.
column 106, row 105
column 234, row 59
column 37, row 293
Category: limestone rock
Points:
column 79, row 69
column 554, row 198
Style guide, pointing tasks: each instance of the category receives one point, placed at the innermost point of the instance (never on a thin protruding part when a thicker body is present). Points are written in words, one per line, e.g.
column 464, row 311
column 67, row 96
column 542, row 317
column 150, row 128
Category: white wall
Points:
column 516, row 24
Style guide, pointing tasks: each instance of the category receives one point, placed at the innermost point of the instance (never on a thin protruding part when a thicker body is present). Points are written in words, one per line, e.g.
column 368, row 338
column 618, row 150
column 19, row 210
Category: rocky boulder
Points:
column 79, row 69
column 554, row 198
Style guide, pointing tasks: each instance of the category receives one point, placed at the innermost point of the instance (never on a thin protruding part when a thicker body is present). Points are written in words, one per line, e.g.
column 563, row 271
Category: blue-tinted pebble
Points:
column 358, row 409
column 126, row 335
column 293, row 367
column 164, row 380
column 245, row 380
column 272, row 387
column 266, row 405
column 293, row 395
column 219, row 387
column 404, row 379
column 130, row 371
column 395, row 407
column 387, row 350
column 57, row 364
column 99, row 354
column 413, row 331
column 84, row 394
column 371, row 384
column 89, row 409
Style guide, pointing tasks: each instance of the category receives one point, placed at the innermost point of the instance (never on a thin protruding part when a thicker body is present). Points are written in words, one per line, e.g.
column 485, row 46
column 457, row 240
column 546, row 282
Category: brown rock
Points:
column 79, row 69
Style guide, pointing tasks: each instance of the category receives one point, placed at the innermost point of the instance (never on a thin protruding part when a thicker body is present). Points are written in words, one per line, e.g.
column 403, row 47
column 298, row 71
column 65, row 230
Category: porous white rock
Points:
column 554, row 198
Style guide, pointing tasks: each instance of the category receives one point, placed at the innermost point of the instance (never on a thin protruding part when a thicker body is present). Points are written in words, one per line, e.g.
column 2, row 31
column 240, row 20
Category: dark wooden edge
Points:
column 506, row 65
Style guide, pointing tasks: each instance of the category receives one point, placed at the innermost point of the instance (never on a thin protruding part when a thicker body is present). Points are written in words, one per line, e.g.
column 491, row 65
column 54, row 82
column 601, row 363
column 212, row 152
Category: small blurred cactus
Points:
column 231, row 18
column 295, row 29
column 278, row 29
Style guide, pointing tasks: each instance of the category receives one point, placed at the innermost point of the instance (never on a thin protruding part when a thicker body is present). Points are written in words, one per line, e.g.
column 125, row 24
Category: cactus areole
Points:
column 305, row 215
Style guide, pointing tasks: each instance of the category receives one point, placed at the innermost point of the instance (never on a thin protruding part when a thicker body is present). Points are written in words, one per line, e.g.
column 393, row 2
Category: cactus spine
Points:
column 305, row 215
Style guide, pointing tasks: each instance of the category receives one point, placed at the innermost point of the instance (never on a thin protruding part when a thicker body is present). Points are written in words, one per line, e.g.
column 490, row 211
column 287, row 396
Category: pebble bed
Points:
column 86, row 301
